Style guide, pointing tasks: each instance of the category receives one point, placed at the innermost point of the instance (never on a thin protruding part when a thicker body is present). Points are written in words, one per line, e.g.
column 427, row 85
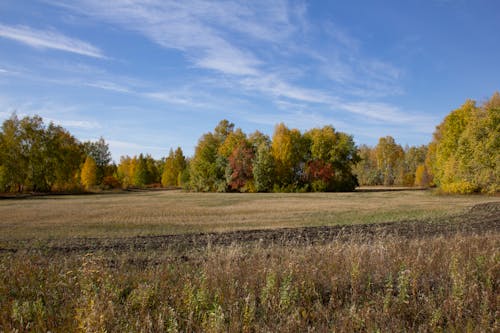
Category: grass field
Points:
column 173, row 212
column 136, row 262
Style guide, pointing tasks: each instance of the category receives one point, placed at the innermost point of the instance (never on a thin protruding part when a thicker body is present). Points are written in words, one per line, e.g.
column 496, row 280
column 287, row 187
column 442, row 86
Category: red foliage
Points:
column 240, row 162
column 319, row 170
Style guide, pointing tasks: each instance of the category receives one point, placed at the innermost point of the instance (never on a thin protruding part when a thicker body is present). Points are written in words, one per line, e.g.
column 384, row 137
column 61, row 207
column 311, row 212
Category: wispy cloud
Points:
column 80, row 124
column 59, row 114
column 176, row 97
column 213, row 35
column 108, row 85
column 49, row 39
column 249, row 44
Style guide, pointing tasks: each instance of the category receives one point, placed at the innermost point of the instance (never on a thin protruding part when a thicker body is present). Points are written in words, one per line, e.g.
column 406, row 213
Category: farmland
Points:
column 176, row 261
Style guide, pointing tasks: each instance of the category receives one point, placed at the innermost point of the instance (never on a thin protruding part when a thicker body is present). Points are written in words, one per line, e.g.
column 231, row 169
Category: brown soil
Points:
column 480, row 219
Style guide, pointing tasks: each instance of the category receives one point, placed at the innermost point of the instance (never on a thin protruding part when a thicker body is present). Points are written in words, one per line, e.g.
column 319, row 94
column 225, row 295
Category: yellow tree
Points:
column 175, row 165
column 464, row 156
column 287, row 150
column 389, row 159
column 89, row 173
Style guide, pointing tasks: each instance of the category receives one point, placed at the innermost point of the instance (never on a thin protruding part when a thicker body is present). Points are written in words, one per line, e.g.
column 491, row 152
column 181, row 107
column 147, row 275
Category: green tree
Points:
column 203, row 167
column 208, row 167
column 12, row 159
column 140, row 171
column 264, row 168
column 64, row 156
column 173, row 169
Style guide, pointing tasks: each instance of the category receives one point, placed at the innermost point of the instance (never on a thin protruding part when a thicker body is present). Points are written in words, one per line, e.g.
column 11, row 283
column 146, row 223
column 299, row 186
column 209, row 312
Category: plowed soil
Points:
column 480, row 219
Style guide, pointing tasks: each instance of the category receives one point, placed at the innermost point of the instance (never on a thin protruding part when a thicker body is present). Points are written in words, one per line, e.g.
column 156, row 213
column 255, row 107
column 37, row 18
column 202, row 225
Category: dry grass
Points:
column 389, row 282
column 150, row 213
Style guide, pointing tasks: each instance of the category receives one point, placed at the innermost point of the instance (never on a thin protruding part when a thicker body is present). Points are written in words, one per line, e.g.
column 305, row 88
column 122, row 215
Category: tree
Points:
column 38, row 157
column 173, row 169
column 89, row 173
column 208, row 167
column 63, row 158
column 203, row 167
column 422, row 177
column 463, row 156
column 99, row 151
column 288, row 149
column 125, row 171
column 389, row 157
column 240, row 163
column 140, row 171
column 332, row 158
column 413, row 158
column 366, row 169
column 12, row 159
column 264, row 168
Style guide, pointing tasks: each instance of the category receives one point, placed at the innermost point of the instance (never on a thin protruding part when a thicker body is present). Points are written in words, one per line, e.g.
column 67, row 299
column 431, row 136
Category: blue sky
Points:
column 151, row 75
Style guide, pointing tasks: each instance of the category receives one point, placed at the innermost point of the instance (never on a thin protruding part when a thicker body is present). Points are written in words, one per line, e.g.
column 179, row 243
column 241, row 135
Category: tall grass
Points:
column 387, row 284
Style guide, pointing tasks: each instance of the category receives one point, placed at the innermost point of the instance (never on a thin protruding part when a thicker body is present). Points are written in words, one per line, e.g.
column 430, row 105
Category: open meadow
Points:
column 168, row 261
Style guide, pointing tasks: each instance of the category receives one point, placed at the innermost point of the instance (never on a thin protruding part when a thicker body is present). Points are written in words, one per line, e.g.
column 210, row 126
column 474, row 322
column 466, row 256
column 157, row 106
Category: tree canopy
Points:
column 463, row 157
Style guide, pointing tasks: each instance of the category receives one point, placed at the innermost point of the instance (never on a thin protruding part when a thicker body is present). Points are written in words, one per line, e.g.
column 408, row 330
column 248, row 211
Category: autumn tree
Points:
column 12, row 159
column 241, row 168
column 413, row 157
column 89, row 173
column 174, row 168
column 203, row 167
column 332, row 158
column 366, row 169
column 389, row 157
column 38, row 157
column 208, row 167
column 463, row 156
column 264, row 168
column 422, row 176
column 99, row 151
column 288, row 150
column 125, row 171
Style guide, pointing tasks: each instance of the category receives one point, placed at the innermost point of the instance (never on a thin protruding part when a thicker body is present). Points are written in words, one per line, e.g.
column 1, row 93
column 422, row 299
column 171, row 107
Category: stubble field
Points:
column 174, row 261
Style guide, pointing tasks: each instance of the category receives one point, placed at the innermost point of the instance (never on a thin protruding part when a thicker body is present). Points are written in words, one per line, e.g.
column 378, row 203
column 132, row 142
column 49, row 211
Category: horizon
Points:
column 151, row 76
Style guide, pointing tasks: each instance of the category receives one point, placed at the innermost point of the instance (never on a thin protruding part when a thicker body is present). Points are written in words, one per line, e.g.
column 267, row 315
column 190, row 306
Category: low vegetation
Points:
column 103, row 262
column 146, row 213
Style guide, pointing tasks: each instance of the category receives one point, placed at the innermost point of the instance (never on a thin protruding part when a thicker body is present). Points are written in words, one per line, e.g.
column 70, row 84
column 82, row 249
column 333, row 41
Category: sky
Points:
column 150, row 75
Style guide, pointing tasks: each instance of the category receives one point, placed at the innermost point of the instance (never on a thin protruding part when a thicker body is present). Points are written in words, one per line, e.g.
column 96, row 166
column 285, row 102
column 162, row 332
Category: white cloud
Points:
column 206, row 31
column 275, row 86
column 176, row 97
column 49, row 39
column 107, row 85
column 80, row 124
column 59, row 114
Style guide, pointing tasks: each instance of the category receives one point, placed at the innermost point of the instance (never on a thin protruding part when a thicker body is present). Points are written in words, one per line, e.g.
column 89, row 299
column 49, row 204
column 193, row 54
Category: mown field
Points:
column 189, row 262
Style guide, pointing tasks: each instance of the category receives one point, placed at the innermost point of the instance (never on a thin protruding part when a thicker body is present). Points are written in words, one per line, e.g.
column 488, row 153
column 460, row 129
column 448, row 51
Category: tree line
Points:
column 463, row 157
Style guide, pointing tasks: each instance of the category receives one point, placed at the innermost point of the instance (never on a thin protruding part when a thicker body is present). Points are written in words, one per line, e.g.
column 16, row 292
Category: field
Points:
column 173, row 261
